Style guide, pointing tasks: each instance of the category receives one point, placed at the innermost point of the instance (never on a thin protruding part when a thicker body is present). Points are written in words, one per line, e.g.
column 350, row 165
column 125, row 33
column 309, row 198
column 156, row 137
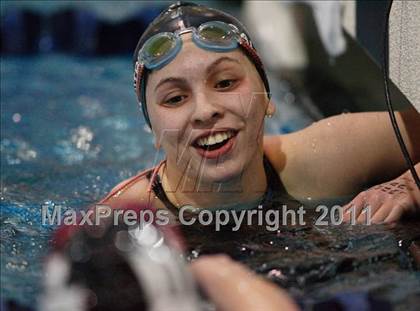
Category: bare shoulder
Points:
column 129, row 192
column 285, row 154
column 342, row 154
column 310, row 161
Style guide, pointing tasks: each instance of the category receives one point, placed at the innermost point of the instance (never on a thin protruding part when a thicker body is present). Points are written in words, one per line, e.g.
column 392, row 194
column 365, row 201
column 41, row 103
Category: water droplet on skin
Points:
column 314, row 144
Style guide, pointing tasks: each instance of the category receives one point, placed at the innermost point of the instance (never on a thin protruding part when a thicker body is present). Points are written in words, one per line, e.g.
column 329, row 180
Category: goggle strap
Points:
column 250, row 50
column 257, row 62
column 138, row 73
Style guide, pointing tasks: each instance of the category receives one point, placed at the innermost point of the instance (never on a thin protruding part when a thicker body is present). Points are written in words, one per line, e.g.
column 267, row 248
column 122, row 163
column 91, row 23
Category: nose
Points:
column 206, row 111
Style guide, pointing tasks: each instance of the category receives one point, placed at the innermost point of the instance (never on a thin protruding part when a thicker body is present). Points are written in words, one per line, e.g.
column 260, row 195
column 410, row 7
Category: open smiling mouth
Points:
column 215, row 144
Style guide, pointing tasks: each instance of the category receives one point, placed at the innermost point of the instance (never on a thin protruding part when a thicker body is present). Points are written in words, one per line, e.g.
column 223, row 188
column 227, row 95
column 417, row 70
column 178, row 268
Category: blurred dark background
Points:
column 351, row 82
column 80, row 27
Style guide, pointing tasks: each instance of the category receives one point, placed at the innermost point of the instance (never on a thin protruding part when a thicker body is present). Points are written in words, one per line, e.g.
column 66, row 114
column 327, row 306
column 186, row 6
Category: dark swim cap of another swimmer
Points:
column 211, row 30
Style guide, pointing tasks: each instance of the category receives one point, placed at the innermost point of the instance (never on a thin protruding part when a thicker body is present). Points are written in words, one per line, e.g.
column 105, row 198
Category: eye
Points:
column 175, row 100
column 225, row 84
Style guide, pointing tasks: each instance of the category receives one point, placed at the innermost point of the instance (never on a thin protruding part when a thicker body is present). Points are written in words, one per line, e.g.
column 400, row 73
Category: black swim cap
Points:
column 181, row 15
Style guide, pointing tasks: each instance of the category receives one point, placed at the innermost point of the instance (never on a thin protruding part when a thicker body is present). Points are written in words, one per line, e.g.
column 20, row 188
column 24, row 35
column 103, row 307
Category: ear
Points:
column 271, row 108
column 156, row 144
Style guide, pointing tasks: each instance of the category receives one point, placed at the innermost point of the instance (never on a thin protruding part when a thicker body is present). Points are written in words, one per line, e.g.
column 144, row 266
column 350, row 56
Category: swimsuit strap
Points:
column 156, row 185
column 274, row 185
column 117, row 191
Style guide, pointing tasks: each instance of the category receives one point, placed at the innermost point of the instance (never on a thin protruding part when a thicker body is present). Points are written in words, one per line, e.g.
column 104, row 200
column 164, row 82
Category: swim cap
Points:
column 182, row 15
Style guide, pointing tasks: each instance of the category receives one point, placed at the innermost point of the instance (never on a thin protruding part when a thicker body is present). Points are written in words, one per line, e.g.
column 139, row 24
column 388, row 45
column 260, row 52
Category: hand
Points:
column 384, row 203
column 232, row 287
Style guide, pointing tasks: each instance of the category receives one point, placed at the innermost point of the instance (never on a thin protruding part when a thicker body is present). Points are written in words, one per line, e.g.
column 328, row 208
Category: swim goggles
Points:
column 163, row 47
column 160, row 49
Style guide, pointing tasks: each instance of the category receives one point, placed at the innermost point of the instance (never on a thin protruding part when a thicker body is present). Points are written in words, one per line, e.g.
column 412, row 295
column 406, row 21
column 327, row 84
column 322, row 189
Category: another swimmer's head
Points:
column 202, row 88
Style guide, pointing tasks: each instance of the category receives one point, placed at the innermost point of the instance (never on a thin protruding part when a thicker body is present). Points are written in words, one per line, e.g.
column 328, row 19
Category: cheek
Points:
column 167, row 141
column 167, row 119
column 250, row 103
column 168, row 126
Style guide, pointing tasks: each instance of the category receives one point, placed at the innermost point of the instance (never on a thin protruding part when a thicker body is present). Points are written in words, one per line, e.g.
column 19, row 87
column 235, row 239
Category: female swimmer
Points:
column 204, row 93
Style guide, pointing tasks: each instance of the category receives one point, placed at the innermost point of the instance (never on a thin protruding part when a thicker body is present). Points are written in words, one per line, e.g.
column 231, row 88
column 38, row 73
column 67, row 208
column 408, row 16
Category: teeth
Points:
column 214, row 138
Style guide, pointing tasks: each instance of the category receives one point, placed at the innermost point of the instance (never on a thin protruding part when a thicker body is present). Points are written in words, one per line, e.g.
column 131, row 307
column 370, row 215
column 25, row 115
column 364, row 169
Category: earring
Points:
column 269, row 115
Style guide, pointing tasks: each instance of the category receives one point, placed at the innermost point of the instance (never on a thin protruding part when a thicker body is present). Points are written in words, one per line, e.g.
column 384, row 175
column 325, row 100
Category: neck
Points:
column 243, row 190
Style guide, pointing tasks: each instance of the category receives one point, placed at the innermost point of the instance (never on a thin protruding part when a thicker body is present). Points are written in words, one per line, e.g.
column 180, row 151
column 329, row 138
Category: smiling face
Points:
column 207, row 110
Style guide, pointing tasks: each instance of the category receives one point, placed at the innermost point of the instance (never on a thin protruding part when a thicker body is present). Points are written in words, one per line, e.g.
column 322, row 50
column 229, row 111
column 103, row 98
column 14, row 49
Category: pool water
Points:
column 320, row 264
column 71, row 129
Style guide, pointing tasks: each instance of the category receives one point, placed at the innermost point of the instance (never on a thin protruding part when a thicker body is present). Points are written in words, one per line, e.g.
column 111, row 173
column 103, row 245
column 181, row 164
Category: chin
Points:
column 226, row 172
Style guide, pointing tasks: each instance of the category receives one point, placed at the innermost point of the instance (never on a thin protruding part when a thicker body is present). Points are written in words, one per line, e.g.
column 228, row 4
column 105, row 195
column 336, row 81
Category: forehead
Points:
column 192, row 60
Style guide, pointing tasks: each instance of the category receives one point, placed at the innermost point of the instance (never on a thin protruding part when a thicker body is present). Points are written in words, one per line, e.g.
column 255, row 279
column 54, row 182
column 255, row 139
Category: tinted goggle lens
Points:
column 160, row 46
column 215, row 33
column 158, row 49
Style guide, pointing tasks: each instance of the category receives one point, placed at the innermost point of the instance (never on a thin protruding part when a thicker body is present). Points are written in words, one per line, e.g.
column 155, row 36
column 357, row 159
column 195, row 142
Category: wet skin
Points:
column 199, row 93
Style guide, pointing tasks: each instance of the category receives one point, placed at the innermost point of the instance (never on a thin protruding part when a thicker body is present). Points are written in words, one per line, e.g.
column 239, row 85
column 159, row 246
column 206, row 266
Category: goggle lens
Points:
column 215, row 32
column 160, row 46
column 158, row 49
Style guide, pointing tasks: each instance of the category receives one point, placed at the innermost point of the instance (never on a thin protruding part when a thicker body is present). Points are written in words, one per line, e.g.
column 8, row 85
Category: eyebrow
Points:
column 213, row 65
column 209, row 69
column 178, row 80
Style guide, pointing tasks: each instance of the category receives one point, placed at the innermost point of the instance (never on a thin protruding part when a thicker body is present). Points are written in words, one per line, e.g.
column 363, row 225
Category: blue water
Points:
column 70, row 130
